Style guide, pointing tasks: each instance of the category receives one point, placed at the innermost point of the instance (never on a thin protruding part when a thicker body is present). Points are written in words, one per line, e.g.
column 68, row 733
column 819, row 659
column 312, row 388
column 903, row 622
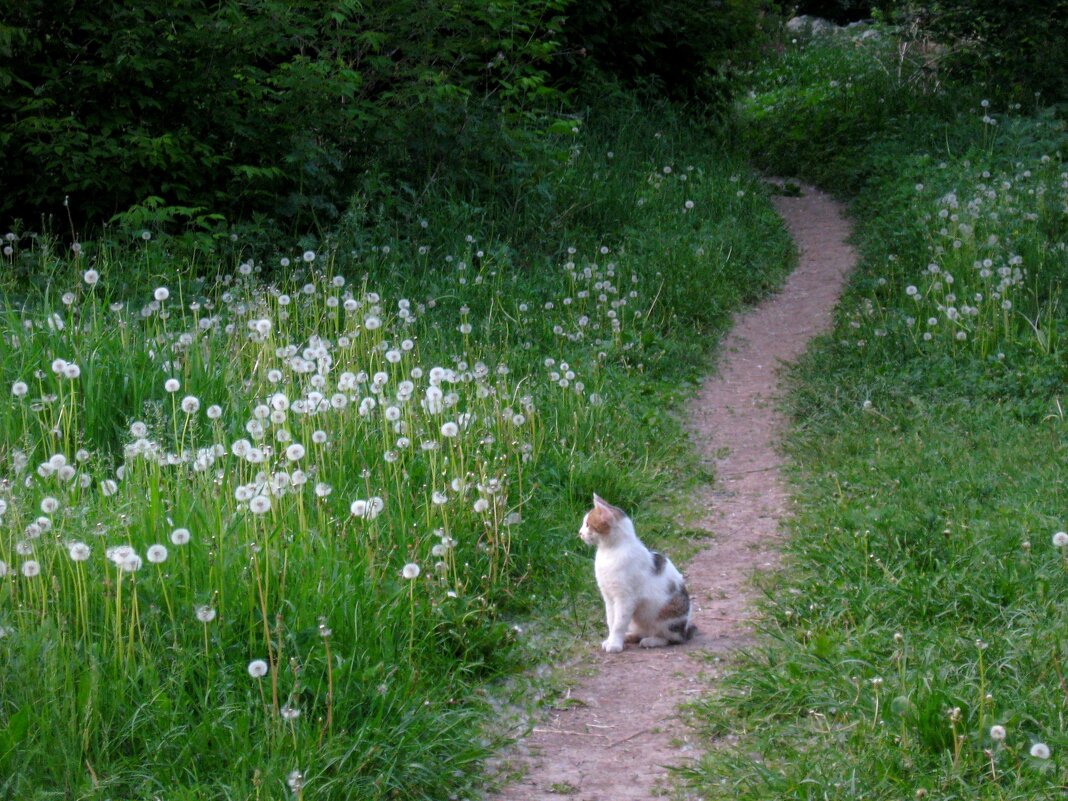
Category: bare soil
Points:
column 616, row 732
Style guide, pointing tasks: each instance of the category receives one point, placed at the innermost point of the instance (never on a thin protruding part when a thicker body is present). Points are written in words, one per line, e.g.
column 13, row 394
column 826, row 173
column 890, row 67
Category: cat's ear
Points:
column 601, row 503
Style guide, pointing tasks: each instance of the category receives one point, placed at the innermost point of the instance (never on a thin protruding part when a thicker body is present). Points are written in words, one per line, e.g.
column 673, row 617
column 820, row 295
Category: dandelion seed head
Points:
column 1040, row 751
column 257, row 668
column 205, row 614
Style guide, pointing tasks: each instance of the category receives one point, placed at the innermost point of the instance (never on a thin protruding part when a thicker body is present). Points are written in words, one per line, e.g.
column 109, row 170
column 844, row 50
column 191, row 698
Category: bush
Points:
column 283, row 107
column 1018, row 45
column 682, row 48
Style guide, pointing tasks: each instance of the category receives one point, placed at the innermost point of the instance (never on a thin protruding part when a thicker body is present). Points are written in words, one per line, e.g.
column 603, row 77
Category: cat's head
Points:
column 601, row 521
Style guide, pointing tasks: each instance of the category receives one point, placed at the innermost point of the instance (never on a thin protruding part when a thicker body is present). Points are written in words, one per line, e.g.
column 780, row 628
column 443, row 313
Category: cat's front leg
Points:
column 623, row 613
column 609, row 611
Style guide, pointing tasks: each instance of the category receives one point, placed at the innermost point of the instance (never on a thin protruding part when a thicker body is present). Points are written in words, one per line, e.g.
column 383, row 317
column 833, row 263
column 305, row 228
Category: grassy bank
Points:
column 915, row 647
column 267, row 518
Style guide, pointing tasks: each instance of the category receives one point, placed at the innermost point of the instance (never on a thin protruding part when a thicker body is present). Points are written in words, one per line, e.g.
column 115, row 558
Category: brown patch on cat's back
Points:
column 677, row 606
column 600, row 519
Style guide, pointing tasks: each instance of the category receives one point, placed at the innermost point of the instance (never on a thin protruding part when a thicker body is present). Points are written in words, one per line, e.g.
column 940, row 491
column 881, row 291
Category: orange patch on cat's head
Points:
column 603, row 516
column 600, row 520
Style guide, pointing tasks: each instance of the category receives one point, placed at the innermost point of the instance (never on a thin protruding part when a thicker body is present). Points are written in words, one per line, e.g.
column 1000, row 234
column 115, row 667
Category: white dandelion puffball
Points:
column 1040, row 751
column 31, row 568
column 19, row 389
column 214, row 412
column 289, row 712
column 157, row 554
column 161, row 293
column 190, row 404
column 205, row 614
column 410, row 570
column 79, row 551
column 309, row 256
column 997, row 733
column 257, row 668
column 259, row 505
column 108, row 487
column 172, row 385
column 295, row 452
column 450, row 429
column 358, row 508
column 49, row 505
column 180, row 536
column 1060, row 539
column 481, row 505
column 91, row 277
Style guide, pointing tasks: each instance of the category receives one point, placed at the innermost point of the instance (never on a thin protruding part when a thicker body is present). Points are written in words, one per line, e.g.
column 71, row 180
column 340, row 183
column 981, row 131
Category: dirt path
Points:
column 615, row 732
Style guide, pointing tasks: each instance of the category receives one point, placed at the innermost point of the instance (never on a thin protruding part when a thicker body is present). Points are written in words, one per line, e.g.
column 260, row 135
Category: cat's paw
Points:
column 653, row 642
column 612, row 647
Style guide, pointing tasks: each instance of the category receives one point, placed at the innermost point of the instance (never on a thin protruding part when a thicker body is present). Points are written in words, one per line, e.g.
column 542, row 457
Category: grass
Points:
column 268, row 529
column 915, row 647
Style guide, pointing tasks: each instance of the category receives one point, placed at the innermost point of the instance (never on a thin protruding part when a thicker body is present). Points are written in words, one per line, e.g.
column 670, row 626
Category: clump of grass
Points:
column 266, row 523
column 915, row 647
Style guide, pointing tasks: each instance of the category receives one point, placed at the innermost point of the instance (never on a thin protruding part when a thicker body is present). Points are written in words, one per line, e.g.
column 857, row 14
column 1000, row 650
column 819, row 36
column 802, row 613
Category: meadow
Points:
column 915, row 646
column 273, row 518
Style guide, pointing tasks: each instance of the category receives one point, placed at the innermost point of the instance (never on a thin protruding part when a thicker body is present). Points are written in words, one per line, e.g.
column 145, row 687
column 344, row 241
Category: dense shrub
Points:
column 1016, row 45
column 682, row 48
column 284, row 107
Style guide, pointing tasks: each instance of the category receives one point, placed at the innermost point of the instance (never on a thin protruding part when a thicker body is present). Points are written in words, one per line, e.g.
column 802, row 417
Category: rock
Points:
column 806, row 25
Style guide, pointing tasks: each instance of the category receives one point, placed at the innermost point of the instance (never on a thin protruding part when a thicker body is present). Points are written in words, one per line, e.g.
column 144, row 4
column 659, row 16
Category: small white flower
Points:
column 410, row 570
column 309, row 256
column 257, row 668
column 172, row 385
column 19, row 389
column 259, row 505
column 190, row 404
column 997, row 733
column 1060, row 539
column 205, row 614
column 157, row 554
column 481, row 505
column 295, row 452
column 450, row 429
column 289, row 713
column 79, row 551
column 91, row 277
column 31, row 568
column 1040, row 751
column 214, row 412
column 161, row 293
column 49, row 505
column 108, row 487
column 180, row 536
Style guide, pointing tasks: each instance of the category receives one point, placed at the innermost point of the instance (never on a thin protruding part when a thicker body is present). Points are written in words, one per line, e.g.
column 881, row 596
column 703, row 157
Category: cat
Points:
column 645, row 598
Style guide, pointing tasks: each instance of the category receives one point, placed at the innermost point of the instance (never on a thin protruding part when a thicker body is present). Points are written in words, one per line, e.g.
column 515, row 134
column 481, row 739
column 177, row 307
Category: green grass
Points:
column 558, row 354
column 924, row 602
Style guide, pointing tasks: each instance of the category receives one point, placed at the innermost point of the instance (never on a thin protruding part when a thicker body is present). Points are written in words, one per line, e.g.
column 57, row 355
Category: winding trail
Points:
column 616, row 731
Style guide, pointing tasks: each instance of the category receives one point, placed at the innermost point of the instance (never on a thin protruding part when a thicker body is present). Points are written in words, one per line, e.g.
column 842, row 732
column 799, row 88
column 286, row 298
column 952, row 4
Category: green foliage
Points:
column 282, row 107
column 916, row 647
column 1015, row 46
column 684, row 48
column 111, row 687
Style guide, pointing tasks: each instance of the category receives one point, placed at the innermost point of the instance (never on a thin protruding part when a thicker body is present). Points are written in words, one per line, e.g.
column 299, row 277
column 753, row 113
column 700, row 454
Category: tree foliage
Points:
column 271, row 105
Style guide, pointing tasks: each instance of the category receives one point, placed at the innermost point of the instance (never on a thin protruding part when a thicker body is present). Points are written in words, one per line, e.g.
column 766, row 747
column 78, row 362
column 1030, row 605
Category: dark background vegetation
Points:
column 293, row 112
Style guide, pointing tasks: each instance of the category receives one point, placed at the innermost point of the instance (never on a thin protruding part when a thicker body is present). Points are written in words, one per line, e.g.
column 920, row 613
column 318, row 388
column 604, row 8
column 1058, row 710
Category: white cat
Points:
column 645, row 598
